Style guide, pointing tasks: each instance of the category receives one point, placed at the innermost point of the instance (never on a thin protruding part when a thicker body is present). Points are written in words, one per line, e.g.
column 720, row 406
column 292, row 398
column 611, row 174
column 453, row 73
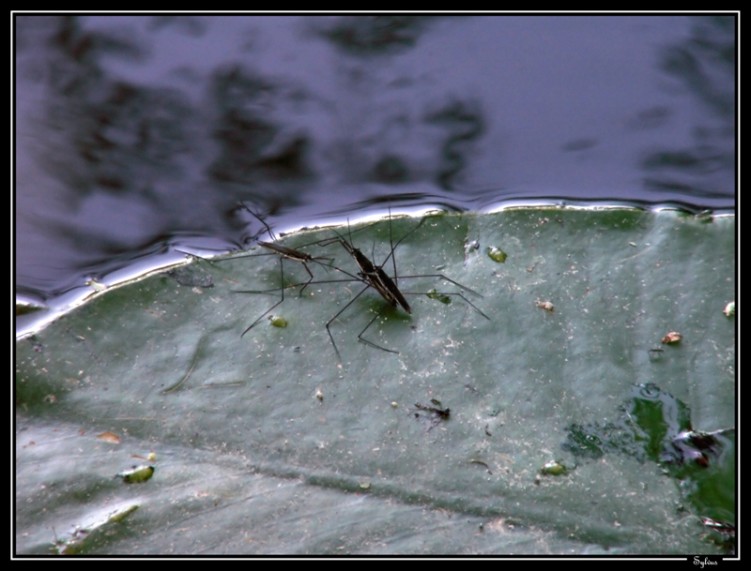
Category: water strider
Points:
column 368, row 273
column 284, row 252
column 373, row 276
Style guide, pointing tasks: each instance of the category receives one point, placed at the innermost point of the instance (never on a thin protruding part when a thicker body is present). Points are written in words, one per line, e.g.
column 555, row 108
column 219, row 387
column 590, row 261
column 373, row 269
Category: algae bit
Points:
column 553, row 468
column 278, row 321
column 496, row 254
column 137, row 474
column 84, row 537
column 438, row 296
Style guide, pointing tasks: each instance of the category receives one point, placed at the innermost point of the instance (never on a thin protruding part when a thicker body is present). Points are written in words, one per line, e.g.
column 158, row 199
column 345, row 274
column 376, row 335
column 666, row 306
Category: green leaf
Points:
column 265, row 443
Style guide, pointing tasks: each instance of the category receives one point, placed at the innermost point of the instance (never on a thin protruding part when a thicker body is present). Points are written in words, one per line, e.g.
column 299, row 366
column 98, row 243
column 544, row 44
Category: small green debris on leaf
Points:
column 83, row 537
column 119, row 515
column 729, row 310
column 496, row 254
column 442, row 297
column 553, row 468
column 73, row 545
column 278, row 321
column 672, row 338
column 137, row 474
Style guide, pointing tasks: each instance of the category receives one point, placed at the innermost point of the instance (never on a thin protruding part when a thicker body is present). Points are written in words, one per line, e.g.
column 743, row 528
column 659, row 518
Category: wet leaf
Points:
column 251, row 463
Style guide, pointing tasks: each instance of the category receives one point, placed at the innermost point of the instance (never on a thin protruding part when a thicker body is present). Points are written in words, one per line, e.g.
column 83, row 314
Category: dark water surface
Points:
column 137, row 134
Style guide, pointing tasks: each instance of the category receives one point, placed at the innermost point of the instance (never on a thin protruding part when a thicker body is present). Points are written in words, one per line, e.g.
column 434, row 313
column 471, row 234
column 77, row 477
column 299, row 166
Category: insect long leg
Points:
column 455, row 293
column 391, row 251
column 282, row 286
column 296, row 256
column 374, row 275
column 440, row 276
column 338, row 313
column 284, row 252
column 394, row 246
column 270, row 309
column 388, row 288
column 369, row 275
column 362, row 339
column 443, row 277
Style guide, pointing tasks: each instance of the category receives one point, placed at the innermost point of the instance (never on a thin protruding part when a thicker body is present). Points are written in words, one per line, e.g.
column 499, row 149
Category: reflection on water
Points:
column 374, row 35
column 704, row 163
column 254, row 141
column 138, row 132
